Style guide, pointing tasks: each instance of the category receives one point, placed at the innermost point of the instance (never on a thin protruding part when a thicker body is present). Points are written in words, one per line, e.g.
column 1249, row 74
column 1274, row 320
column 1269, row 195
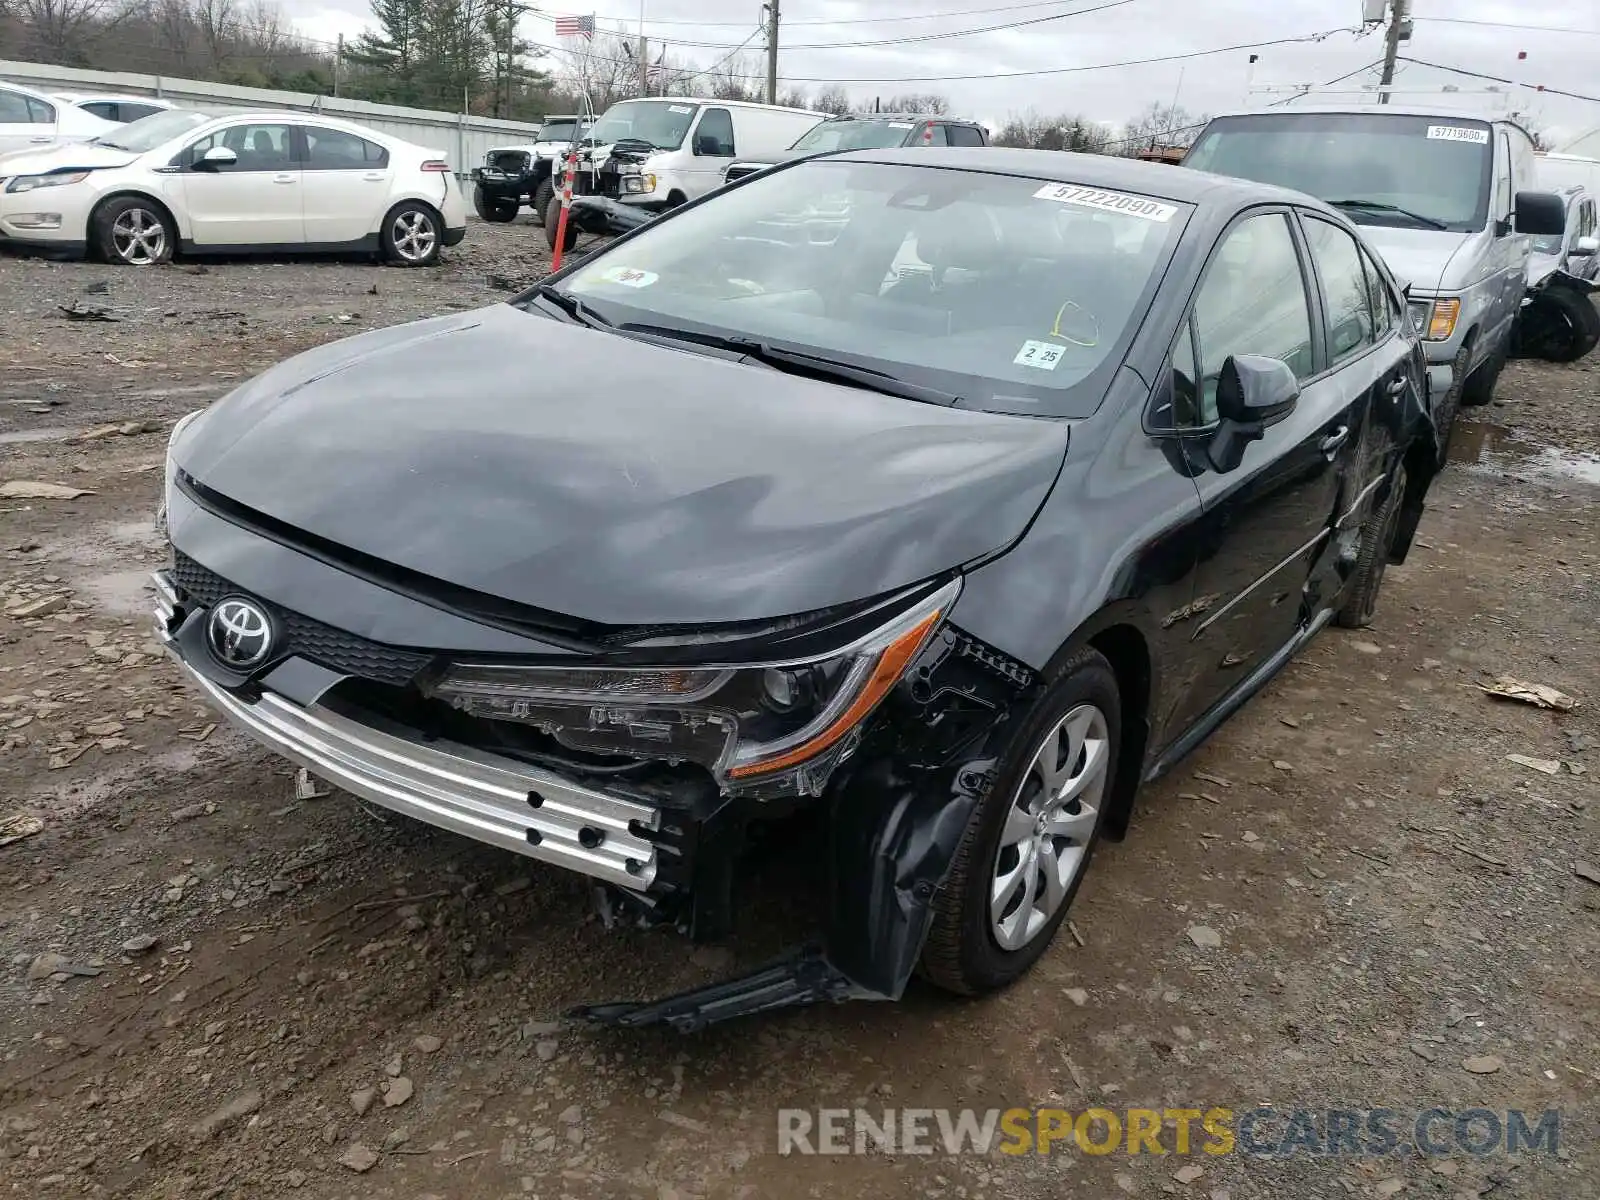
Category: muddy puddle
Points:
column 1495, row 448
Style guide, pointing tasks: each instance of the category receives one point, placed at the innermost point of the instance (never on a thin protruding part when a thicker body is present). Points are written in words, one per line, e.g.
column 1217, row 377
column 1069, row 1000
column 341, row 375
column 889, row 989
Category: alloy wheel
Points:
column 139, row 237
column 1049, row 826
column 414, row 235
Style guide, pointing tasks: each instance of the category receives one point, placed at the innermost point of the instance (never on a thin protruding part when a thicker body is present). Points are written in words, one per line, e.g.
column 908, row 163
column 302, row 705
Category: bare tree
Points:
column 929, row 103
column 64, row 30
column 1159, row 125
column 832, row 99
column 217, row 22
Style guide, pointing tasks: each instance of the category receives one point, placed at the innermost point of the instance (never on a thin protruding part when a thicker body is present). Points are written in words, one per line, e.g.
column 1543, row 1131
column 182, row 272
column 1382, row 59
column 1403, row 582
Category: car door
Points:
column 252, row 201
column 1509, row 249
column 1265, row 525
column 25, row 121
column 1376, row 366
column 714, row 147
column 345, row 185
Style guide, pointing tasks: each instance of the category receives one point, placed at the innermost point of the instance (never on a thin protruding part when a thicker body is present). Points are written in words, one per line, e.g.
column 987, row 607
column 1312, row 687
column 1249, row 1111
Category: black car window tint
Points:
column 1345, row 294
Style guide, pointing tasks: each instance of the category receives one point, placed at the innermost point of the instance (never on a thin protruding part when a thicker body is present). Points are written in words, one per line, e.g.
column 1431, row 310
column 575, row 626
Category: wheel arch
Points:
column 184, row 230
column 408, row 197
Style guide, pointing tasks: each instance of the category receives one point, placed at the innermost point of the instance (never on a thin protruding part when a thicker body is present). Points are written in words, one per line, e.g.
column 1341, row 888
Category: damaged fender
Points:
column 1558, row 321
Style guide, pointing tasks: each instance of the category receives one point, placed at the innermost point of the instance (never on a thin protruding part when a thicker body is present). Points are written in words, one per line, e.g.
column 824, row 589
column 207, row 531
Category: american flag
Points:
column 575, row 26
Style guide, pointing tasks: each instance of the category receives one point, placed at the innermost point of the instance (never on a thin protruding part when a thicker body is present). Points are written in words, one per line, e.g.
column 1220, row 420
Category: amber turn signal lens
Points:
column 1443, row 324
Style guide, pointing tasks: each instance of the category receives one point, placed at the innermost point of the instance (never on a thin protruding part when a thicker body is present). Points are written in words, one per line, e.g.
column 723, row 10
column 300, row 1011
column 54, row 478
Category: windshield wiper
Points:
column 1379, row 206
column 573, row 307
column 799, row 363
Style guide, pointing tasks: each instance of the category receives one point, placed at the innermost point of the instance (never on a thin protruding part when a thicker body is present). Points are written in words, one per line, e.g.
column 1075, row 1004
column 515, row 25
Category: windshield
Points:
column 662, row 123
column 1014, row 294
column 149, row 132
column 854, row 135
column 1434, row 167
column 557, row 131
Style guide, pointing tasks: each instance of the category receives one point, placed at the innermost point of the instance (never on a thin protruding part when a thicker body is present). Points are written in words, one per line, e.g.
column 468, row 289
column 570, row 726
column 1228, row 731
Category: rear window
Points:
column 855, row 135
column 1396, row 171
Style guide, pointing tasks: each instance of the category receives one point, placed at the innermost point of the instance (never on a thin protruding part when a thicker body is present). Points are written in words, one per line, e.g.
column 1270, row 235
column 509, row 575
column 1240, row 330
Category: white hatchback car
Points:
column 185, row 182
column 30, row 119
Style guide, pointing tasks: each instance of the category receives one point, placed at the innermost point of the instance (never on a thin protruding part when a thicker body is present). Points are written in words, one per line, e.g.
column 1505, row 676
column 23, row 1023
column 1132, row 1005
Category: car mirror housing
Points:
column 1252, row 392
column 1585, row 247
column 218, row 156
column 1540, row 213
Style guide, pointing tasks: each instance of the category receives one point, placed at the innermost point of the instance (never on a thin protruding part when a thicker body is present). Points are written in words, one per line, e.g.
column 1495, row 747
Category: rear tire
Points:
column 542, row 195
column 990, row 923
column 1377, row 536
column 1480, row 385
column 412, row 235
column 552, row 222
column 130, row 231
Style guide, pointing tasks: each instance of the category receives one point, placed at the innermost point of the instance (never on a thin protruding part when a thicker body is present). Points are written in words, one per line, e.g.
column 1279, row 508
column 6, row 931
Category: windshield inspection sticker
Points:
column 1457, row 133
column 1088, row 197
column 899, row 124
column 679, row 108
column 629, row 276
column 1044, row 355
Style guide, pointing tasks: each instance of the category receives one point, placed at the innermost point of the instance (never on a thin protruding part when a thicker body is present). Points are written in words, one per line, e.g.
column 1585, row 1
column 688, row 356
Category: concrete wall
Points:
column 464, row 140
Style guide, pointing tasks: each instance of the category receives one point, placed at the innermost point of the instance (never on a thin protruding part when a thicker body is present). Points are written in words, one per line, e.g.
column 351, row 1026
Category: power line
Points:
column 965, row 12
column 1329, row 83
column 911, row 38
column 1132, row 62
column 1537, row 87
column 1507, row 25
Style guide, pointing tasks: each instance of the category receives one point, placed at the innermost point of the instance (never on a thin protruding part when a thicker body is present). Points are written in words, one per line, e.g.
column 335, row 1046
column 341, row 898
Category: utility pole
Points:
column 338, row 65
column 771, row 11
column 1391, row 44
column 644, row 60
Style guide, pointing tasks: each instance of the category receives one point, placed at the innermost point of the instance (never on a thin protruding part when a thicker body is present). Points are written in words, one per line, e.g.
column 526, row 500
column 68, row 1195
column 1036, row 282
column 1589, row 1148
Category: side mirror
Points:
column 1540, row 213
column 216, row 158
column 706, row 145
column 1252, row 393
column 1585, row 247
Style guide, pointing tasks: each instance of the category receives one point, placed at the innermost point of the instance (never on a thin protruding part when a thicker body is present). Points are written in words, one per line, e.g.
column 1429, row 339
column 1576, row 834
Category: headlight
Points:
column 32, row 183
column 171, row 474
column 781, row 727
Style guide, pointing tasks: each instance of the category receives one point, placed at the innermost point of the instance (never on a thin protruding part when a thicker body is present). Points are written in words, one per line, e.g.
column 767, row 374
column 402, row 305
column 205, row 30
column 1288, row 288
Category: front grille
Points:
column 333, row 648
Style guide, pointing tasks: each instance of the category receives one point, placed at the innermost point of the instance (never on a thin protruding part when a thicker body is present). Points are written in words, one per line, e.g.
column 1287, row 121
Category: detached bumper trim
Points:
column 483, row 796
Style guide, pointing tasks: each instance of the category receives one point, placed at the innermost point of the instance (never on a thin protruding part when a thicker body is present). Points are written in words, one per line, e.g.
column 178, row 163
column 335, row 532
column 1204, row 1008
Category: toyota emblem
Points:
column 239, row 634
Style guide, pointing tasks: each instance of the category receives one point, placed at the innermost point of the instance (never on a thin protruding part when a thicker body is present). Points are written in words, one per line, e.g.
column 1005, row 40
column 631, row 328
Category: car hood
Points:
column 636, row 485
column 1416, row 256
column 63, row 156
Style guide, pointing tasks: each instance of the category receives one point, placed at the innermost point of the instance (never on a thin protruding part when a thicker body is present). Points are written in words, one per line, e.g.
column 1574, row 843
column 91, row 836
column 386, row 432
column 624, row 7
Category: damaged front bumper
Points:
column 896, row 811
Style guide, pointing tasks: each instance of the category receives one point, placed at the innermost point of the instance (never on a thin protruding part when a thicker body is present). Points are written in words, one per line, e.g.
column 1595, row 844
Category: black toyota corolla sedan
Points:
column 950, row 495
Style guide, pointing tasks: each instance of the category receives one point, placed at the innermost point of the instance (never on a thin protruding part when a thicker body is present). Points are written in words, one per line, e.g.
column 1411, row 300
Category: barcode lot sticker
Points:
column 1044, row 355
column 680, row 108
column 1458, row 133
column 1134, row 206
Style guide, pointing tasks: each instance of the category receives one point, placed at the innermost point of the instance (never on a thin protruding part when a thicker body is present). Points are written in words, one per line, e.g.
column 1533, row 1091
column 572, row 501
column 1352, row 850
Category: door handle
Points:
column 40, row 141
column 374, row 177
column 1397, row 386
column 283, row 179
column 1330, row 444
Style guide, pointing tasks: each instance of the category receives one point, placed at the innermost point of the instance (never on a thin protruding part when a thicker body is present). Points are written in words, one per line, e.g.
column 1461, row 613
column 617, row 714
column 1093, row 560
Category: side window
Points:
column 1344, row 289
column 14, row 109
column 963, row 135
column 259, row 147
column 106, row 110
column 137, row 112
column 1381, row 298
column 40, row 113
column 1186, row 408
column 1253, row 301
column 933, row 135
column 714, row 135
column 335, row 150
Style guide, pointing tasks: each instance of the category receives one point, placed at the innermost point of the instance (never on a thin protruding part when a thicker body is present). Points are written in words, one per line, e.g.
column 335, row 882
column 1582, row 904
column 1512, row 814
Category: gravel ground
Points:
column 259, row 996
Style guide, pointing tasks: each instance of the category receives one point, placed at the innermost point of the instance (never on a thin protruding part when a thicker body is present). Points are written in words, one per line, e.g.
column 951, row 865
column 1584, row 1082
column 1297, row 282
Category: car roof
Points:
column 1159, row 180
column 902, row 116
column 26, row 90
column 117, row 97
column 1371, row 110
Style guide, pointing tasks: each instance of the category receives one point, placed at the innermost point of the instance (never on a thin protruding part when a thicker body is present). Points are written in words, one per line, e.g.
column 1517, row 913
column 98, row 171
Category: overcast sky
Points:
column 1131, row 29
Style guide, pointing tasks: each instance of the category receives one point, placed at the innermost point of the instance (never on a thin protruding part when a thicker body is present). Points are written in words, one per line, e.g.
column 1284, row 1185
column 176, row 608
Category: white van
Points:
column 659, row 153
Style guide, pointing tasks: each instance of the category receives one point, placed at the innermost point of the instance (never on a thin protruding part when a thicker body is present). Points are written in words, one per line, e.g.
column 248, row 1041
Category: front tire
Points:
column 1568, row 325
column 1444, row 419
column 133, row 232
column 494, row 208
column 412, row 235
column 1029, row 842
column 542, row 195
column 1480, row 385
column 552, row 222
